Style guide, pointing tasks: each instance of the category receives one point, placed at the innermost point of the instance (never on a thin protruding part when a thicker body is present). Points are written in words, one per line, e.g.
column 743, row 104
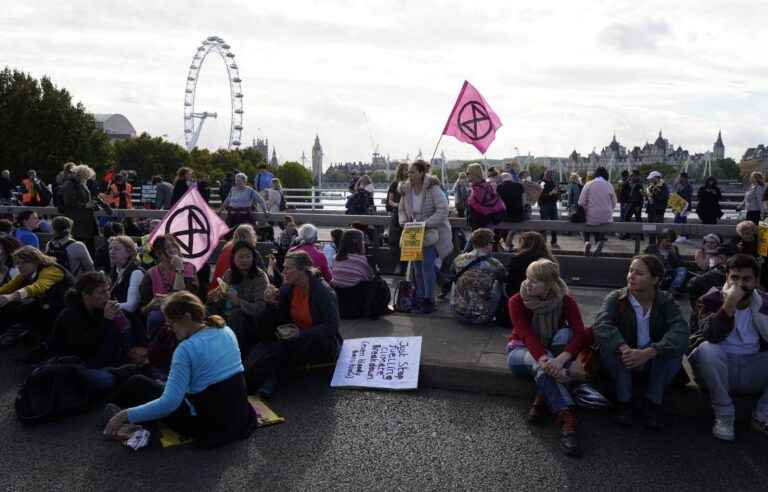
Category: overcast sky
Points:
column 561, row 75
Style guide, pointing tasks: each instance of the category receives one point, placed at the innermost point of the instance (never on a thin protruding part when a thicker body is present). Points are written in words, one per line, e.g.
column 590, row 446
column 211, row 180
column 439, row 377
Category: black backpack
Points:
column 59, row 251
column 55, row 389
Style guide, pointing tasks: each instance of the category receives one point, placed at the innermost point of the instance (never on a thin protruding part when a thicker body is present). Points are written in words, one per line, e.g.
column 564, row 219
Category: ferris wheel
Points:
column 193, row 120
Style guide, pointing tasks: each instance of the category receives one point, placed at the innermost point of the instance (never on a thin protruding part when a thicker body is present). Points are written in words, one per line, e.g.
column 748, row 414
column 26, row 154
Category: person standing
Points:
column 393, row 202
column 574, row 192
column 461, row 194
column 658, row 196
column 163, row 193
column 184, row 179
column 598, row 200
column 512, row 194
column 34, row 194
column 423, row 201
column 120, row 191
column 683, row 189
column 77, row 204
column 753, row 198
column 241, row 202
column 708, row 206
column 275, row 197
column 624, row 195
column 550, row 194
column 6, row 188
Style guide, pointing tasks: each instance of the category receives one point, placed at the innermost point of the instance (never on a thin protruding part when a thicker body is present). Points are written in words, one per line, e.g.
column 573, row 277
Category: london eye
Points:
column 193, row 117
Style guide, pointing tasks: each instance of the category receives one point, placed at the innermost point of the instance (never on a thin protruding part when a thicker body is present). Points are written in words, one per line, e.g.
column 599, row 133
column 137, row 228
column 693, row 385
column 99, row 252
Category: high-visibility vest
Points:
column 114, row 196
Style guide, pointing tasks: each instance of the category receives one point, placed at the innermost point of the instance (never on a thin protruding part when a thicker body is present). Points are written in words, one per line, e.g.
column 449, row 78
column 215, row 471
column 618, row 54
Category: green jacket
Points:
column 615, row 324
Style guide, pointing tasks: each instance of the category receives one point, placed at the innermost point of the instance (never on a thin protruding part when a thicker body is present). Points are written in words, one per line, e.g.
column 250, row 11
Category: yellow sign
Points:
column 678, row 204
column 762, row 237
column 412, row 241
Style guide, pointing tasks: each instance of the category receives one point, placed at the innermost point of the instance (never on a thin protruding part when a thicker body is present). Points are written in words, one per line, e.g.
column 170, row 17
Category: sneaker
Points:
column 599, row 248
column 555, row 246
column 723, row 428
column 569, row 438
column 538, row 413
column 587, row 248
column 759, row 425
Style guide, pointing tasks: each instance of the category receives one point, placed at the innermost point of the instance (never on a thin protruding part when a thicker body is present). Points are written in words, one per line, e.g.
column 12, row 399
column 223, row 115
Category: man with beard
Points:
column 729, row 354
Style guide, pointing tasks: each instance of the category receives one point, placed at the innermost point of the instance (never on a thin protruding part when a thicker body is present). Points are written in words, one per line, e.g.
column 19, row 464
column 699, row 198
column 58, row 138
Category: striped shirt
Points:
column 352, row 271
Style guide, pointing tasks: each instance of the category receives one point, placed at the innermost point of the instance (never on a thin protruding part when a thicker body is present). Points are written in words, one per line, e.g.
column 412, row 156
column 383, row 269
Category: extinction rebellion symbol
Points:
column 473, row 121
column 191, row 228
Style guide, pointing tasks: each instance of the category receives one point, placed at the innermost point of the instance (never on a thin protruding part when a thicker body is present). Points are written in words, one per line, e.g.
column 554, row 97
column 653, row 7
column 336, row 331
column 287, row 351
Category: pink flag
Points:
column 195, row 225
column 472, row 119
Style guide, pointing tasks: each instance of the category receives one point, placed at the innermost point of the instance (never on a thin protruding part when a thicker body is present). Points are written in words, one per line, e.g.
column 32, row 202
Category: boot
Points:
column 538, row 413
column 569, row 439
column 652, row 415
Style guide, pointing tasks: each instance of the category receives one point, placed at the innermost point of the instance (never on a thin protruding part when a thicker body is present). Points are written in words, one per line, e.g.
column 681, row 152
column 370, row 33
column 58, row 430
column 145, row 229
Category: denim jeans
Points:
column 548, row 211
column 677, row 277
column 98, row 380
column 522, row 364
column 659, row 370
column 681, row 219
column 424, row 274
column 722, row 373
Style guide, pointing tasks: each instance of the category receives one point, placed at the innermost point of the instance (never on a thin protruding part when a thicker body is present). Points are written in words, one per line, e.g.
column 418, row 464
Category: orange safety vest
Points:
column 30, row 196
column 114, row 196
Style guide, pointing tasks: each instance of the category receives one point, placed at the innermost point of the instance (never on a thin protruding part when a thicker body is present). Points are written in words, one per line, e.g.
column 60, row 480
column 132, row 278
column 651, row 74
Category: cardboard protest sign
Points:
column 532, row 191
column 678, row 204
column 762, row 239
column 381, row 362
column 412, row 241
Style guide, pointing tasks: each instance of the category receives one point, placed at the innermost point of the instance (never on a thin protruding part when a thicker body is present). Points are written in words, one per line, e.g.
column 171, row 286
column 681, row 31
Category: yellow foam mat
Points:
column 266, row 416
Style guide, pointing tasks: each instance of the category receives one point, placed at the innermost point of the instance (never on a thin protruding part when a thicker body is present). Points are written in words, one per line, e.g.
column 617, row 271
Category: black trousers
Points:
column 251, row 330
column 655, row 217
column 277, row 359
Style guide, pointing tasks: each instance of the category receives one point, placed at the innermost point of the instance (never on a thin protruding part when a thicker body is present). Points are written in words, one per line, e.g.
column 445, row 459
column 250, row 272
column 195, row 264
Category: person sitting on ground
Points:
column 331, row 248
column 529, row 247
column 674, row 266
column 477, row 281
column 205, row 396
column 126, row 273
column 241, row 293
column 747, row 242
column 26, row 222
column 145, row 248
column 6, row 227
column 512, row 194
column 93, row 328
column 101, row 256
column 8, row 244
column 547, row 336
column 713, row 278
column 31, row 300
column 308, row 331
column 728, row 353
column 243, row 232
column 640, row 328
column 170, row 274
column 705, row 256
column 71, row 254
column 350, row 267
column 599, row 200
column 307, row 237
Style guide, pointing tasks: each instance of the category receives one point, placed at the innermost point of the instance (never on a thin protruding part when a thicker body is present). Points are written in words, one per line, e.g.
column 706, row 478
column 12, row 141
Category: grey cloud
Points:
column 642, row 35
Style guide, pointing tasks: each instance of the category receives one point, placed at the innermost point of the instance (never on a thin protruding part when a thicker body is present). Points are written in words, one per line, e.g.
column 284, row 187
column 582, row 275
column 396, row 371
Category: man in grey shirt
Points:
column 163, row 193
column 241, row 202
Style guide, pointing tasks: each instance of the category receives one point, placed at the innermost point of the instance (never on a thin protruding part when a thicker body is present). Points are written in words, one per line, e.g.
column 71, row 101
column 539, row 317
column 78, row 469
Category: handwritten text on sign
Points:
column 383, row 362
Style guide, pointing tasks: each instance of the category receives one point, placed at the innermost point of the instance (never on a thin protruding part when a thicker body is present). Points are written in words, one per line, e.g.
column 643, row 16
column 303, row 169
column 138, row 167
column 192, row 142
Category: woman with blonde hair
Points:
column 275, row 197
column 75, row 201
column 547, row 336
column 484, row 206
column 31, row 301
column 573, row 191
column 126, row 272
column 753, row 198
column 205, row 396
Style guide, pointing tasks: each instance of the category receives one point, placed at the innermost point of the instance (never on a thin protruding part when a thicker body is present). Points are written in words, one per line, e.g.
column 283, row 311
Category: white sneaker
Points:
column 723, row 428
column 681, row 239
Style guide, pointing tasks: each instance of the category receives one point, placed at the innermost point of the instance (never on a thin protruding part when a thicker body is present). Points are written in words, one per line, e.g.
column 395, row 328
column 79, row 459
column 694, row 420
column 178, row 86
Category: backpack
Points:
column 263, row 180
column 59, row 251
column 55, row 389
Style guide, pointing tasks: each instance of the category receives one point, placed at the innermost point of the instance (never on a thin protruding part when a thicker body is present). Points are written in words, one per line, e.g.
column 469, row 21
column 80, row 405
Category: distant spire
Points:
column 719, row 142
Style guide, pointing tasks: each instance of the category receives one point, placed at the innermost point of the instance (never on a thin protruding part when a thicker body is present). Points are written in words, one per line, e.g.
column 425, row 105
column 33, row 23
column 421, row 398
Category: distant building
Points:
column 262, row 147
column 718, row 149
column 273, row 162
column 116, row 126
column 754, row 159
column 317, row 162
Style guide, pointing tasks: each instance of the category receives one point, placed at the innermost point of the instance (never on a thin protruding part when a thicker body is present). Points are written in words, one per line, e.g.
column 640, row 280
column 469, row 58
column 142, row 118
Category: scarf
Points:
column 546, row 312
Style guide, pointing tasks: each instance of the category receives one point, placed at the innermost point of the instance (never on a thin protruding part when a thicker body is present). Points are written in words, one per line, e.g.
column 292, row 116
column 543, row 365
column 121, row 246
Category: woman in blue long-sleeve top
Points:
column 205, row 396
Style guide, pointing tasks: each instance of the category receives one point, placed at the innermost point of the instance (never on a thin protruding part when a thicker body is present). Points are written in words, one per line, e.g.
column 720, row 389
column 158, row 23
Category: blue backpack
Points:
column 264, row 180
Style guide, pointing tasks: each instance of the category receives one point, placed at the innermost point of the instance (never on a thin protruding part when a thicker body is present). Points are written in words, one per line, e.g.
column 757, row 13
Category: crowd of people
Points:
column 161, row 341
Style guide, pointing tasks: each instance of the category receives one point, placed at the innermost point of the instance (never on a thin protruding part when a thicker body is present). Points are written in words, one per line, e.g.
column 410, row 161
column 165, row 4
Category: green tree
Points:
column 294, row 175
column 148, row 156
column 42, row 129
column 726, row 169
column 668, row 171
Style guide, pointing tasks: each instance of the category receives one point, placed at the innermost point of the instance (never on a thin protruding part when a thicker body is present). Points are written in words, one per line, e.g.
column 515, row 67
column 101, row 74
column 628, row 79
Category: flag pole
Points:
column 442, row 168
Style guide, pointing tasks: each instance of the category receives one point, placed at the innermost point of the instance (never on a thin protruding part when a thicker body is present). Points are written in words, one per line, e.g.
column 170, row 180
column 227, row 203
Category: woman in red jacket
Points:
column 546, row 321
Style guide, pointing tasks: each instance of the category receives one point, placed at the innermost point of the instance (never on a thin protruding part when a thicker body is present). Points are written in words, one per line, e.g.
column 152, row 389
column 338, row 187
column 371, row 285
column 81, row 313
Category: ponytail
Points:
column 215, row 321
